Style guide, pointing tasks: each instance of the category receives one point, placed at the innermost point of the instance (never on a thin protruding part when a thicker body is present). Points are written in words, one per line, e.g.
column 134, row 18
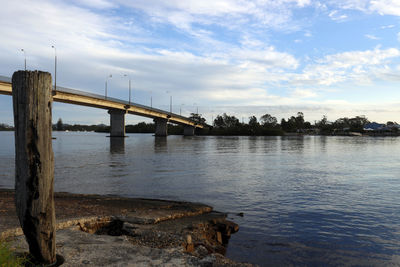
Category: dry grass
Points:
column 8, row 258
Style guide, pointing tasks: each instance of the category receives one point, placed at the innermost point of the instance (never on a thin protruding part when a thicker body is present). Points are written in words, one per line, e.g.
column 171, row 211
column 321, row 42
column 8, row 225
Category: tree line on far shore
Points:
column 266, row 125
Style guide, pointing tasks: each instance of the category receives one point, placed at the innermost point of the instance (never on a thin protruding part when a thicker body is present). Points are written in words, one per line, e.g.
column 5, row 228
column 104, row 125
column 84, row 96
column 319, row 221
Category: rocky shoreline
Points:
column 94, row 230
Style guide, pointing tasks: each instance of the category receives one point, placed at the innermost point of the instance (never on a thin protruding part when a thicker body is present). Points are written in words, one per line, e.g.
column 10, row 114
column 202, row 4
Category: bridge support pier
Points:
column 117, row 122
column 161, row 127
column 188, row 130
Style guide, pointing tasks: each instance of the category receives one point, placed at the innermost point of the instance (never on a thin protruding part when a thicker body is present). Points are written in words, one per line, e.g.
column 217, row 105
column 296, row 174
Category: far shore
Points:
column 351, row 134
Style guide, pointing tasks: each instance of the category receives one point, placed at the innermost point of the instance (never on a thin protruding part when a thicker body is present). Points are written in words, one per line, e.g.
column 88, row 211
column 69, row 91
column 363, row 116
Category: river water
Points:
column 313, row 200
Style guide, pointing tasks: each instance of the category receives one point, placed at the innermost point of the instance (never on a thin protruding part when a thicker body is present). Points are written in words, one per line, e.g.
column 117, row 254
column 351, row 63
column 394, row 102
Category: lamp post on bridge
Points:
column 107, row 77
column 170, row 102
column 55, row 67
column 180, row 109
column 24, row 56
column 126, row 75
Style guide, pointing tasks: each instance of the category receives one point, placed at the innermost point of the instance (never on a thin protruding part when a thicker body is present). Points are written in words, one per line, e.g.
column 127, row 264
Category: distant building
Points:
column 374, row 126
column 378, row 129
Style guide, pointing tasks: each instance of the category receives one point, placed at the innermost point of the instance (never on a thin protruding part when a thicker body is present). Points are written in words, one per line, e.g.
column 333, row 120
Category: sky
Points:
column 339, row 58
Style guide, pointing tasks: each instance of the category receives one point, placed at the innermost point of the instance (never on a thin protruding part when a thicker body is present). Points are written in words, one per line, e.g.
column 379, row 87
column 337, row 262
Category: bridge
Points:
column 117, row 109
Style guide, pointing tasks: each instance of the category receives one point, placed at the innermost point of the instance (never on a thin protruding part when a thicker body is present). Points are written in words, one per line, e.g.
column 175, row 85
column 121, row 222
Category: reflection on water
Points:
column 160, row 144
column 117, row 145
column 320, row 201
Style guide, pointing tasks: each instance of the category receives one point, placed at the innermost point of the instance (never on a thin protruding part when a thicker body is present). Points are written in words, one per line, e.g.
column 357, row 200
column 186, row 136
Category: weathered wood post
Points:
column 34, row 162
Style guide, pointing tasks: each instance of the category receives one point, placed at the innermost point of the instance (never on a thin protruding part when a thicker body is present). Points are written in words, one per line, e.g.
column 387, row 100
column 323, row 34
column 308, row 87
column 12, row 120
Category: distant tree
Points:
column 253, row 123
column 231, row 121
column 307, row 125
column 226, row 121
column 268, row 121
column 342, row 123
column 141, row 127
column 295, row 124
column 197, row 118
column 219, row 122
column 5, row 127
column 324, row 126
column 355, row 124
column 299, row 121
column 252, row 128
column 289, row 125
column 284, row 124
column 323, row 122
column 60, row 125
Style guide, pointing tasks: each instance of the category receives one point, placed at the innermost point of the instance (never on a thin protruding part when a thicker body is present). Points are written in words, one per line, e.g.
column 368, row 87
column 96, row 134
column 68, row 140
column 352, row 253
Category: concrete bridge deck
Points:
column 116, row 107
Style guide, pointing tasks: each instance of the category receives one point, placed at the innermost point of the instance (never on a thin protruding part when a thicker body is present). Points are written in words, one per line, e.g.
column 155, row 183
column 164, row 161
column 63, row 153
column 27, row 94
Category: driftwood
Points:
column 34, row 162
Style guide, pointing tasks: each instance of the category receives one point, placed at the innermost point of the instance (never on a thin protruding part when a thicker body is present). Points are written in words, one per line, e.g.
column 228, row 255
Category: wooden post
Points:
column 34, row 162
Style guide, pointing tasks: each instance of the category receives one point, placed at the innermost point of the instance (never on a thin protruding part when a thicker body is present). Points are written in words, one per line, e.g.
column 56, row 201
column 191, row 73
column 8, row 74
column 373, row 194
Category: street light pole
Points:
column 109, row 76
column 151, row 99
column 170, row 102
column 55, row 67
column 24, row 56
column 126, row 75
column 197, row 108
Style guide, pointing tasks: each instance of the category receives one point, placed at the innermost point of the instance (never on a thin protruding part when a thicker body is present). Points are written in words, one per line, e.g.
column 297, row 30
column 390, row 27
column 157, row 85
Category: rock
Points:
column 129, row 228
column 146, row 232
column 201, row 251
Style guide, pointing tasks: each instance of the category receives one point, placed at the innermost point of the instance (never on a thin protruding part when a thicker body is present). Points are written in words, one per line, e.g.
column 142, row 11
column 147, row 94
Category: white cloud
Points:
column 230, row 13
column 372, row 37
column 382, row 7
column 351, row 4
column 356, row 66
column 248, row 41
column 303, row 93
column 334, row 15
column 251, row 94
column 265, row 59
column 98, row 4
column 385, row 7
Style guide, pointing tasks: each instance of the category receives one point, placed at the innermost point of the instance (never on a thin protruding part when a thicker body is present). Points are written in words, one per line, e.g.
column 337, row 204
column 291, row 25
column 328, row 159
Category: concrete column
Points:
column 161, row 127
column 188, row 130
column 117, row 122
